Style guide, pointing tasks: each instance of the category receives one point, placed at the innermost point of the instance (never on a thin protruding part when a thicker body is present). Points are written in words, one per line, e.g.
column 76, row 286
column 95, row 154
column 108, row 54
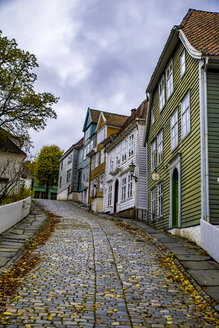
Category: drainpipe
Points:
column 204, row 138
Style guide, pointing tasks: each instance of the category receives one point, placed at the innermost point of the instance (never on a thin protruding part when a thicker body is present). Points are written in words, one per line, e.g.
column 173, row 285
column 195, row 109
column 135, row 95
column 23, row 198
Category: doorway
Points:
column 175, row 198
column 116, row 194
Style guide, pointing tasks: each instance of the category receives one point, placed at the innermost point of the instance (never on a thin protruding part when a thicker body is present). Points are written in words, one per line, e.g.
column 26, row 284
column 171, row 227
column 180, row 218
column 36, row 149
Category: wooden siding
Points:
column 213, row 143
column 124, row 171
column 188, row 149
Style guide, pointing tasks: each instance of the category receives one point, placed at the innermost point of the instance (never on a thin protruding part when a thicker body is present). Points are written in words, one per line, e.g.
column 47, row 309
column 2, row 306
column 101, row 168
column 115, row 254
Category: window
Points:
column 68, row 177
column 85, row 175
column 61, row 165
column 101, row 135
column 162, row 93
column 87, row 134
column 93, row 187
column 102, row 156
column 160, row 199
column 81, row 155
column 174, row 130
column 97, row 159
column 118, row 156
column 60, row 182
column 111, row 161
column 183, row 63
column 102, row 181
column 124, row 188
column 69, row 158
column 153, row 204
column 85, row 152
column 160, row 147
column 152, row 115
column 93, row 162
column 124, row 150
column 185, row 112
column 110, row 195
column 129, row 186
column 131, row 144
column 153, row 155
column 169, row 80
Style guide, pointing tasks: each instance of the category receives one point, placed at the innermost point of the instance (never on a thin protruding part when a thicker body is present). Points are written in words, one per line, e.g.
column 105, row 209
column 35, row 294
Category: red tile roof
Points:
column 202, row 31
column 95, row 115
column 140, row 112
column 115, row 119
column 79, row 143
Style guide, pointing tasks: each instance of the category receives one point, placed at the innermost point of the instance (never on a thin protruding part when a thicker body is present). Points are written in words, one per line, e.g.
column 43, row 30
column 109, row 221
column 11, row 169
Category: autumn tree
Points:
column 21, row 107
column 47, row 166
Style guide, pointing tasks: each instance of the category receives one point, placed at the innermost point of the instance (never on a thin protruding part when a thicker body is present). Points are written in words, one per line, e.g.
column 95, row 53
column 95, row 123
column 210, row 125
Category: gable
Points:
column 87, row 120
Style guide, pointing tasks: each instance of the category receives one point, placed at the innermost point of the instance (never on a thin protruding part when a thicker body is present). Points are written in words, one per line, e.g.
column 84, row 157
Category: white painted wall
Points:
column 210, row 239
column 11, row 214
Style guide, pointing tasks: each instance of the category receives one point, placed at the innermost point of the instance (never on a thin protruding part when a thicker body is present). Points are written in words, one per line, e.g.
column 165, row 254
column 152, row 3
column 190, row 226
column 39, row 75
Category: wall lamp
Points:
column 132, row 170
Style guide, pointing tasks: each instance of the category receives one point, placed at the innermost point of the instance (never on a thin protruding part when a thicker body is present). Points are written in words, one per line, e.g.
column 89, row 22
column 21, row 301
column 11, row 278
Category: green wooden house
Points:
column 40, row 191
column 182, row 127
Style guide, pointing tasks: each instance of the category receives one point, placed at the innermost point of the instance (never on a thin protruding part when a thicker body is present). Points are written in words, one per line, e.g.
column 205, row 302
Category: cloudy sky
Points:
column 92, row 53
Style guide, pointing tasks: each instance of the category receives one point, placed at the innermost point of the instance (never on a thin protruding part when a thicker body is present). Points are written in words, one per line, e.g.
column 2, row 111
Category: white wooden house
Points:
column 124, row 193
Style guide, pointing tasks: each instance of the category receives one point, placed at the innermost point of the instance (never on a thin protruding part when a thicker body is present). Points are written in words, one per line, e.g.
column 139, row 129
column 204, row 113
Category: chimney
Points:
column 133, row 110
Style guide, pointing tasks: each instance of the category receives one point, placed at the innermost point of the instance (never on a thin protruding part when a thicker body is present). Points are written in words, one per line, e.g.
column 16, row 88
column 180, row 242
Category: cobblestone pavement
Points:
column 94, row 273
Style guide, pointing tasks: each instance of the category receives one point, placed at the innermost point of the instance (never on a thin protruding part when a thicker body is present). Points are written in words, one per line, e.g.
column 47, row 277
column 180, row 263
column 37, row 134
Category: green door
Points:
column 175, row 198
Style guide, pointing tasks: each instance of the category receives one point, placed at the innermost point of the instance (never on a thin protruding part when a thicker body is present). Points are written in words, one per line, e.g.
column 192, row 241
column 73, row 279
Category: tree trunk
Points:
column 47, row 189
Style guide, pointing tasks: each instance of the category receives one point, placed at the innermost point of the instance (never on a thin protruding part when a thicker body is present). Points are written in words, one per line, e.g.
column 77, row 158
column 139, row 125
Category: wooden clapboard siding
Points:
column 188, row 149
column 141, row 163
column 213, row 142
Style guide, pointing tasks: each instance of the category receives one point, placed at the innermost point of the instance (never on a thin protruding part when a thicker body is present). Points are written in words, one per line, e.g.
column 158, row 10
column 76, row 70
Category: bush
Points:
column 14, row 197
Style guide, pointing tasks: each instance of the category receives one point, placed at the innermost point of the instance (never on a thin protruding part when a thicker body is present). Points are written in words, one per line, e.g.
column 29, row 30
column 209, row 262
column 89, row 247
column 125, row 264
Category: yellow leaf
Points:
column 49, row 317
column 35, row 291
column 20, row 313
column 169, row 322
column 137, row 285
column 112, row 295
column 115, row 310
column 28, row 326
column 7, row 313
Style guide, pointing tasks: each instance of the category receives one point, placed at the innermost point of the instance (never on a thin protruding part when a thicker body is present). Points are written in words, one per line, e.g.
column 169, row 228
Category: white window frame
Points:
column 101, row 135
column 102, row 156
column 81, row 156
column 152, row 115
column 69, row 158
column 174, row 134
column 131, row 144
column 153, row 155
column 124, row 150
column 160, row 197
column 124, row 182
column 160, row 147
column 111, row 161
column 183, row 63
column 118, row 156
column 130, row 186
column 68, row 176
column 161, row 88
column 169, row 79
column 110, row 190
column 87, row 134
column 185, row 116
column 93, row 162
column 97, row 160
column 153, row 202
column 102, row 181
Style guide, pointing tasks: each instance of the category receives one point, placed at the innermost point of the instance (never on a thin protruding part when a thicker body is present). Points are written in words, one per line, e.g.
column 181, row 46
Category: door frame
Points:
column 175, row 164
column 116, row 195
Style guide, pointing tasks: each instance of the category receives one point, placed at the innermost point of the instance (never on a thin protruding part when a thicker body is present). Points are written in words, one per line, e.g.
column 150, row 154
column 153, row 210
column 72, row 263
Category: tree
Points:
column 21, row 107
column 47, row 166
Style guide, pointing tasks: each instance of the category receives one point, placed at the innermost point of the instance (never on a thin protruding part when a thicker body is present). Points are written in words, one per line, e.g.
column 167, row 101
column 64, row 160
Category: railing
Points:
column 11, row 214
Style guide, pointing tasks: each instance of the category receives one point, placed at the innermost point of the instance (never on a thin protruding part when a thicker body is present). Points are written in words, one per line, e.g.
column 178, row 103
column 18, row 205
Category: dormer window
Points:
column 87, row 134
column 101, row 135
column 169, row 80
column 152, row 116
column 162, row 93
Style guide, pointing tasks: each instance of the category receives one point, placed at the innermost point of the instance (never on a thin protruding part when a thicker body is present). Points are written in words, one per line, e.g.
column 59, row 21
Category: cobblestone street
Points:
column 95, row 273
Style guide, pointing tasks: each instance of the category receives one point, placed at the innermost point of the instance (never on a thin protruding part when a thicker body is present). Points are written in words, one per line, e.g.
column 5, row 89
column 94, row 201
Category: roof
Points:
column 115, row 119
column 7, row 145
column 95, row 115
column 77, row 145
column 140, row 112
column 202, row 31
